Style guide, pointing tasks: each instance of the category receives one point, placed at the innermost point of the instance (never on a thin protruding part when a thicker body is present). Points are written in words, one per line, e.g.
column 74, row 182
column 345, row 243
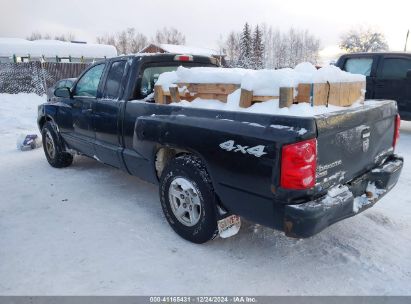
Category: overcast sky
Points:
column 203, row 22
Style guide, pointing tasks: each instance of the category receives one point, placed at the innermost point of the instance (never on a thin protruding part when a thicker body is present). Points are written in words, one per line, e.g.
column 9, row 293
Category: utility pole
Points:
column 406, row 41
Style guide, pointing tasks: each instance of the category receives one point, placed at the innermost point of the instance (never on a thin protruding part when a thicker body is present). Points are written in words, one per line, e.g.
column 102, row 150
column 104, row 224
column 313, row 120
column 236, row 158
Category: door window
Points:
column 88, row 83
column 114, row 77
column 395, row 68
column 359, row 66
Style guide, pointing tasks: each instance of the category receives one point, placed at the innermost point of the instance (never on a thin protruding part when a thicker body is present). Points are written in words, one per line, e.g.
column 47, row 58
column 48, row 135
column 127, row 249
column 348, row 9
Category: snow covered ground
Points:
column 90, row 229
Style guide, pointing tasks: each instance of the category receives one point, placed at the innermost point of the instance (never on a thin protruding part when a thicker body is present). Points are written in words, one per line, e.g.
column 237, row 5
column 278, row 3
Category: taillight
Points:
column 396, row 130
column 183, row 58
column 298, row 165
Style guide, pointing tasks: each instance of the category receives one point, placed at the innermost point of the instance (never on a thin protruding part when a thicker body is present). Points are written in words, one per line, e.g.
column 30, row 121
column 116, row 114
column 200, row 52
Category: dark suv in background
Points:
column 388, row 76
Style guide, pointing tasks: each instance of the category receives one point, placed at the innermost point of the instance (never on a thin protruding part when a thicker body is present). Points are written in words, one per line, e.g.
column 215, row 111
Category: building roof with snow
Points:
column 54, row 48
column 180, row 49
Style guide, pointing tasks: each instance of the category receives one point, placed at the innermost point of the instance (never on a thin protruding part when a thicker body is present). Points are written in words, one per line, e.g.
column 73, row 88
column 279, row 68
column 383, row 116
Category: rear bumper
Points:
column 307, row 219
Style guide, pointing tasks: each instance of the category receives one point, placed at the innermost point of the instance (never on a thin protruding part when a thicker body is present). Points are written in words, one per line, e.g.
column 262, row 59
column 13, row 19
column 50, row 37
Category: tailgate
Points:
column 353, row 141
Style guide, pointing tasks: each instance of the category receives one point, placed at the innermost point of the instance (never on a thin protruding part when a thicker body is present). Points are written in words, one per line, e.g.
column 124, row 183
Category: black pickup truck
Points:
column 296, row 174
column 388, row 76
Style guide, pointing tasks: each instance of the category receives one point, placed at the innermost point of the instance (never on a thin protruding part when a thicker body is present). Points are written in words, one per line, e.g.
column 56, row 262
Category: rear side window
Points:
column 394, row 68
column 114, row 77
column 359, row 66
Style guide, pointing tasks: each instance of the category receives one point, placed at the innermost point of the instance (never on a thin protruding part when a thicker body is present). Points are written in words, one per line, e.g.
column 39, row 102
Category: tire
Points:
column 188, row 199
column 54, row 148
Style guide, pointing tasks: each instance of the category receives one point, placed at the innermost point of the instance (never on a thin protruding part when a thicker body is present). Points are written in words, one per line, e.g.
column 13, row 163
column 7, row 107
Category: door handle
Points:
column 87, row 111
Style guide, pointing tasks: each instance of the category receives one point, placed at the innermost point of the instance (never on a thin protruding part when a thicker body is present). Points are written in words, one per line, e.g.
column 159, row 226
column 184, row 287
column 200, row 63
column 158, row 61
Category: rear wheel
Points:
column 54, row 148
column 188, row 199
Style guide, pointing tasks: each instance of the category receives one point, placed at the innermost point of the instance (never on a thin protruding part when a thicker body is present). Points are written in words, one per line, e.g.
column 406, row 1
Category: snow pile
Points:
column 262, row 83
column 52, row 48
column 18, row 113
column 202, row 75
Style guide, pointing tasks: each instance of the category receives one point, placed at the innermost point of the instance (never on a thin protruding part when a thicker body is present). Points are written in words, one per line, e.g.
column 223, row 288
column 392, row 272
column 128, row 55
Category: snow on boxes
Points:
column 303, row 84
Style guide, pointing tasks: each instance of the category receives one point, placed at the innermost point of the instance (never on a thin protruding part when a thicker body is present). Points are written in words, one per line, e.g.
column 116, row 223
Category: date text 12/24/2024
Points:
column 203, row 299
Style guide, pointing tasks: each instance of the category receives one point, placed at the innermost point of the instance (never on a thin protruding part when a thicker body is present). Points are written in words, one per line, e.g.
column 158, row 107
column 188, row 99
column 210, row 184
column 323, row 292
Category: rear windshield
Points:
column 150, row 77
column 152, row 71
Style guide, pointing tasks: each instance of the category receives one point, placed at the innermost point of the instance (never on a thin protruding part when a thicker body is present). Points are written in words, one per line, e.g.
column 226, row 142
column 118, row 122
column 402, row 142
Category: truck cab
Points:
column 388, row 76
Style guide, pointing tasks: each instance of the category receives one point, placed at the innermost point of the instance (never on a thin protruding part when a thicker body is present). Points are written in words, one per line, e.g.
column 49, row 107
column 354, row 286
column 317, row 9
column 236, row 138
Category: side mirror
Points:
column 409, row 75
column 62, row 92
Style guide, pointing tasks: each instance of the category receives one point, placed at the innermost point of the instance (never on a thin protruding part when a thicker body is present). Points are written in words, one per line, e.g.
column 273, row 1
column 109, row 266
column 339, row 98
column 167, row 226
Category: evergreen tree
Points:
column 246, row 44
column 278, row 49
column 258, row 50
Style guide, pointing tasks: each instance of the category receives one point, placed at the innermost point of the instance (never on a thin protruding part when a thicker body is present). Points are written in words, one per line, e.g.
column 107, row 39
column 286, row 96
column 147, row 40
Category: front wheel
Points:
column 54, row 148
column 188, row 199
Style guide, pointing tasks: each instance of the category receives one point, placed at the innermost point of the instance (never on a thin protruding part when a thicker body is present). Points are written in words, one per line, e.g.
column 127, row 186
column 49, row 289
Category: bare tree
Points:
column 126, row 41
column 169, row 36
column 363, row 40
column 48, row 36
column 136, row 40
column 106, row 39
column 300, row 46
column 122, row 42
column 35, row 36
column 294, row 48
column 232, row 48
column 312, row 47
column 65, row 37
column 131, row 41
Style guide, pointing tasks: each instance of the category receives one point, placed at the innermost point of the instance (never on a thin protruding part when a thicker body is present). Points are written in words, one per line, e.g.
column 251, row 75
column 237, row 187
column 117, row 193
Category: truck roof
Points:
column 377, row 53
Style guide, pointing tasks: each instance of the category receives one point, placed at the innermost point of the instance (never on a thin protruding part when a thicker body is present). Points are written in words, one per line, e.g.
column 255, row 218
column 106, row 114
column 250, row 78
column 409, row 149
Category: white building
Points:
column 22, row 50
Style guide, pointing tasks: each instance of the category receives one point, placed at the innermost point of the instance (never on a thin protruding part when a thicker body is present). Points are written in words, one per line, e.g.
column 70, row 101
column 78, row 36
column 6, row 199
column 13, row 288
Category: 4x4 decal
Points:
column 230, row 145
